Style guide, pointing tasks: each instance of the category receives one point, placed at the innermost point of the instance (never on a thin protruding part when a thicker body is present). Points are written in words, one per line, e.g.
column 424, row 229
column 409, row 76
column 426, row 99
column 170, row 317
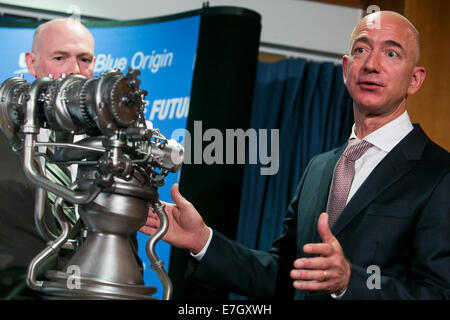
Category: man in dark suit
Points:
column 19, row 239
column 386, row 194
column 60, row 46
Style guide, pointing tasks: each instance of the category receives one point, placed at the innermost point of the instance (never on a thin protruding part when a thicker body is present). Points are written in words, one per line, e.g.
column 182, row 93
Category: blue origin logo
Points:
column 139, row 61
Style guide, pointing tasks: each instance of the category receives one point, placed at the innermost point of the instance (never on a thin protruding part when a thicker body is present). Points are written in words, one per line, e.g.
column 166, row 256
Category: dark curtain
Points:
column 17, row 20
column 309, row 104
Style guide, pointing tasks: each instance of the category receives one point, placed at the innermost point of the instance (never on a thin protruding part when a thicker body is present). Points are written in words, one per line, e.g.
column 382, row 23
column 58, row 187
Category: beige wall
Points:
column 431, row 105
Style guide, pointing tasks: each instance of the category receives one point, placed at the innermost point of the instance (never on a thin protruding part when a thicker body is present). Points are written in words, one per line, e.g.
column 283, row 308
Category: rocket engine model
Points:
column 121, row 163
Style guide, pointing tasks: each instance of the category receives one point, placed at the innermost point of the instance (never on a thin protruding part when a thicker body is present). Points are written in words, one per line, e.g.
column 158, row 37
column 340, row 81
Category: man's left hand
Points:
column 329, row 271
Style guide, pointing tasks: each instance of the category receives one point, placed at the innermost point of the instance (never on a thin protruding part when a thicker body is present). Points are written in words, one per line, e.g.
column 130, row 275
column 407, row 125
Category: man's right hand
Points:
column 186, row 230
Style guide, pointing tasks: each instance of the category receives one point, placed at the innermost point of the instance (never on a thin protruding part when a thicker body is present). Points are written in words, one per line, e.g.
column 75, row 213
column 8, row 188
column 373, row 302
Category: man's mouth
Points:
column 370, row 85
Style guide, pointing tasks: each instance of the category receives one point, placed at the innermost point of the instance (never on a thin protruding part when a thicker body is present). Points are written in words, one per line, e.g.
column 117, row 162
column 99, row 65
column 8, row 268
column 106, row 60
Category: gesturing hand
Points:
column 186, row 227
column 330, row 271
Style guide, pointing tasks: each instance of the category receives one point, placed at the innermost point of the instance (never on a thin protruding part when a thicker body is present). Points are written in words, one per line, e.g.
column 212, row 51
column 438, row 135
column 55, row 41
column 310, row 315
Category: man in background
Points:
column 60, row 46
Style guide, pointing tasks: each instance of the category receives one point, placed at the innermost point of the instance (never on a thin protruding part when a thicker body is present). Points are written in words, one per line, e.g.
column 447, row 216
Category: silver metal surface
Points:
column 51, row 249
column 116, row 182
column 156, row 264
column 76, row 197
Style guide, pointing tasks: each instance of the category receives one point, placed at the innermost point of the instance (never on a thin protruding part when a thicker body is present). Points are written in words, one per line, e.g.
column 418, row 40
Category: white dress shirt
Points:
column 383, row 140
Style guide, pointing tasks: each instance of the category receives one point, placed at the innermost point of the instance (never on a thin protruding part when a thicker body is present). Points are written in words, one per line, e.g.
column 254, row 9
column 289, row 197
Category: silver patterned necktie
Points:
column 343, row 175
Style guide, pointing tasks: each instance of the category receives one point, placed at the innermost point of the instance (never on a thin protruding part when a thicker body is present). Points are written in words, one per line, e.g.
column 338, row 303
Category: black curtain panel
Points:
column 221, row 99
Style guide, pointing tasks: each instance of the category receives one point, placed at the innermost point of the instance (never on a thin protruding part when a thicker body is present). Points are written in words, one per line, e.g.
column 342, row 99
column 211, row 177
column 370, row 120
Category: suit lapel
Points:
column 390, row 169
column 327, row 177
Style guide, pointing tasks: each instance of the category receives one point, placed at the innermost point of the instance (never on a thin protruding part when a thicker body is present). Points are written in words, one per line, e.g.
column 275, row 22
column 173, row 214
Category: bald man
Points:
column 371, row 219
column 60, row 46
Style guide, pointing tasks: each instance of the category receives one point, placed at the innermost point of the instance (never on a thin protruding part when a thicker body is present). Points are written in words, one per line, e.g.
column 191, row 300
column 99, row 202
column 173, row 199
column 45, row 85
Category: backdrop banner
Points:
column 163, row 51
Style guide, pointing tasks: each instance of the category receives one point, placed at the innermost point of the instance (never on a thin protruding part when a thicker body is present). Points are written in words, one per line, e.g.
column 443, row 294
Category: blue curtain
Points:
column 309, row 104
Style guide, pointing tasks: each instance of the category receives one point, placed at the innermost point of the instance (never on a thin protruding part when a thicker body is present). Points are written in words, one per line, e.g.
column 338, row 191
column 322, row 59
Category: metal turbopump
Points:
column 121, row 164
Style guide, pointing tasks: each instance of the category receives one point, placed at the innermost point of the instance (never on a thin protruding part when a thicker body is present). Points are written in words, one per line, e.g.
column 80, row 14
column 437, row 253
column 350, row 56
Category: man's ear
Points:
column 417, row 79
column 30, row 59
column 344, row 67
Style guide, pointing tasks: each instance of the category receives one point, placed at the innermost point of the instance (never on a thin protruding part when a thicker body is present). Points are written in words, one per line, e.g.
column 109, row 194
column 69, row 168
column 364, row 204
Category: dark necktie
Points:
column 344, row 173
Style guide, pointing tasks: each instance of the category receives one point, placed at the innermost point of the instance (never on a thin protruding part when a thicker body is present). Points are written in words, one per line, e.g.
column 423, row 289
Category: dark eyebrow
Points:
column 361, row 39
column 387, row 42
column 84, row 54
column 394, row 44
column 65, row 53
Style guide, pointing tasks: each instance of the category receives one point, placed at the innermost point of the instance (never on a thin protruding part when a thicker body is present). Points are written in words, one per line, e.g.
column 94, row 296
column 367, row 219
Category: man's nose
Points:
column 73, row 67
column 372, row 63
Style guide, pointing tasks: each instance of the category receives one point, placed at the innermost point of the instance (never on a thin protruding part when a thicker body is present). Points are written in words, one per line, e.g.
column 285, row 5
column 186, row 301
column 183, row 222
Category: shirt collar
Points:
column 387, row 137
